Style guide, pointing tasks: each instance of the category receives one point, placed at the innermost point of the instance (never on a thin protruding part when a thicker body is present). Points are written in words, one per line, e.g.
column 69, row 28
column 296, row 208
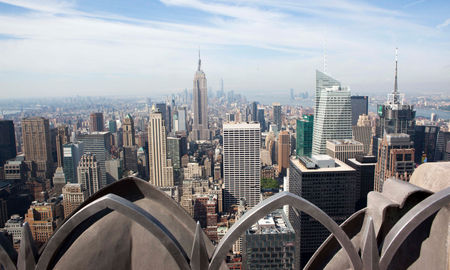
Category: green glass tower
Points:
column 304, row 135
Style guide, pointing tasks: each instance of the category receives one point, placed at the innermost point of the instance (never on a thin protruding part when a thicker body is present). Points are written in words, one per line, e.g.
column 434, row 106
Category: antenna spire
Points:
column 396, row 60
column 199, row 60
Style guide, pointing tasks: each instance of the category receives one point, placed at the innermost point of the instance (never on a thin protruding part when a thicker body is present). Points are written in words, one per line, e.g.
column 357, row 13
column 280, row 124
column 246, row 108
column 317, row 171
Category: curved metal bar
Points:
column 409, row 222
column 126, row 208
column 275, row 202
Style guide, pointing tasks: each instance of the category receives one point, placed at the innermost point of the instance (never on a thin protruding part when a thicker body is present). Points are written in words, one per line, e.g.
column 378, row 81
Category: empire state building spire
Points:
column 395, row 94
column 199, row 60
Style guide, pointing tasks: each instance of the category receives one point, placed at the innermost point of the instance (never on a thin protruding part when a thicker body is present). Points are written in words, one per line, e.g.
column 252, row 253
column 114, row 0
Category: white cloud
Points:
column 444, row 24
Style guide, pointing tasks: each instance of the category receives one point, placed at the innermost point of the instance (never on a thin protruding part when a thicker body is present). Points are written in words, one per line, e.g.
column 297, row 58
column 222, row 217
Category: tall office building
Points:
column 254, row 111
column 173, row 153
column 72, row 153
column 241, row 163
column 7, row 141
column 73, row 196
column 304, row 132
column 360, row 105
column 365, row 170
column 96, row 122
column 99, row 144
column 112, row 126
column 62, row 137
column 261, row 119
column 41, row 218
column 37, row 146
column 128, row 131
column 395, row 116
column 362, row 133
column 200, row 130
column 114, row 169
column 323, row 81
column 344, row 149
column 395, row 159
column 284, row 151
column 269, row 243
column 442, row 146
column 89, row 173
column 425, row 142
column 333, row 119
column 161, row 174
column 330, row 185
column 181, row 118
column 277, row 118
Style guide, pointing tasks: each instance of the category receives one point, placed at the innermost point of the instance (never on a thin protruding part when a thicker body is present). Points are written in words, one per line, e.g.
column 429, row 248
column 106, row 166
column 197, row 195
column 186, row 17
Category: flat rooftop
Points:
column 339, row 166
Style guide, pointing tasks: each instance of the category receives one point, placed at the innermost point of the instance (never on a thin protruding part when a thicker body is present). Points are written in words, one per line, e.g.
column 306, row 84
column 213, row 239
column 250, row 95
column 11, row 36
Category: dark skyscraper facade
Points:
column 7, row 141
column 96, row 122
column 261, row 119
column 254, row 111
column 304, row 135
column 360, row 105
column 277, row 115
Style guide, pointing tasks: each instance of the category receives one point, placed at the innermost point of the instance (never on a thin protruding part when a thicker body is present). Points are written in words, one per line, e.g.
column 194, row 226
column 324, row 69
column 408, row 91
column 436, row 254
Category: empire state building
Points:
column 200, row 129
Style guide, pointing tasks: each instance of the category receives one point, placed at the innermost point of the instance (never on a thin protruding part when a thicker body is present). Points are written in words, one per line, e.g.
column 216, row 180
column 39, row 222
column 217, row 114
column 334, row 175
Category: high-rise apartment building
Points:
column 395, row 159
column 37, row 146
column 73, row 196
column 41, row 218
column 96, row 122
column 241, row 163
column 365, row 170
column 270, row 243
column 304, row 132
column 330, row 185
column 344, row 149
column 362, row 133
column 200, row 129
column 333, row 119
column 72, row 153
column 161, row 174
column 277, row 117
column 99, row 144
column 360, row 105
column 89, row 173
column 128, row 131
column 7, row 141
column 284, row 151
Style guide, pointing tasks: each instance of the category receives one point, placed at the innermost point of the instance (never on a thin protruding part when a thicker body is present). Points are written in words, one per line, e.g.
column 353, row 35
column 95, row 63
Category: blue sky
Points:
column 138, row 47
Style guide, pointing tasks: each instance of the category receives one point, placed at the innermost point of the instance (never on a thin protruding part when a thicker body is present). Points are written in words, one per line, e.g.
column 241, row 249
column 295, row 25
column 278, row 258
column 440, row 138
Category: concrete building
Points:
column 360, row 106
column 128, row 131
column 14, row 227
column 96, row 122
column 14, row 170
column 37, row 147
column 284, row 151
column 241, row 163
column 362, row 133
column 99, row 144
column 365, row 171
column 344, row 149
column 114, row 169
column 7, row 141
column 89, row 173
column 304, row 132
column 395, row 159
column 269, row 243
column 41, row 218
column 329, row 184
column 161, row 174
column 333, row 119
column 200, row 129
column 73, row 196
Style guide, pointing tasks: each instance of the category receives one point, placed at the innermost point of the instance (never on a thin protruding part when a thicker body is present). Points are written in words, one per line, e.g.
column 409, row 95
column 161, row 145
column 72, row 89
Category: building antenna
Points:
column 324, row 54
column 199, row 61
column 395, row 82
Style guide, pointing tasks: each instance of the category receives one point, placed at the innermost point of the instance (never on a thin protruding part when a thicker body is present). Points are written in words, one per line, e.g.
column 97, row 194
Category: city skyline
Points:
column 81, row 48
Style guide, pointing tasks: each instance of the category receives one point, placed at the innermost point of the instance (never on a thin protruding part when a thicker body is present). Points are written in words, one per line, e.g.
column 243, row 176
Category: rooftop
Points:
column 274, row 223
column 339, row 165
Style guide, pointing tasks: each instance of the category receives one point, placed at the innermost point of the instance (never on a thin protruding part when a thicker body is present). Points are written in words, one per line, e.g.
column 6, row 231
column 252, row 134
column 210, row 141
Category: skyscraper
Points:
column 330, row 185
column 304, row 130
column 62, row 137
column 277, row 115
column 365, row 170
column 395, row 116
column 7, row 141
column 425, row 143
column 161, row 174
column 261, row 119
column 360, row 105
column 333, row 119
column 241, row 163
column 322, row 81
column 72, row 155
column 254, row 111
column 99, row 144
column 173, row 153
column 128, row 131
column 200, row 130
column 362, row 133
column 89, row 174
column 96, row 122
column 73, row 196
column 395, row 159
column 37, row 146
column 284, row 151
